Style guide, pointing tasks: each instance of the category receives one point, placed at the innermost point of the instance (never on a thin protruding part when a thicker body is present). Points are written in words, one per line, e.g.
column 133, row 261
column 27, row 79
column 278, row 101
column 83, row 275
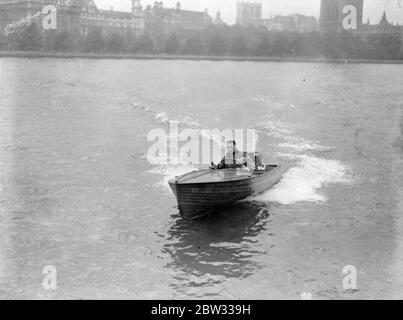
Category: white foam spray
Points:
column 303, row 182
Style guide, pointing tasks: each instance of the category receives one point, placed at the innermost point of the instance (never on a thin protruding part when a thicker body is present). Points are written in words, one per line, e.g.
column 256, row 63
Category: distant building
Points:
column 75, row 16
column 83, row 16
column 18, row 12
column 167, row 20
column 293, row 23
column 218, row 20
column 249, row 13
column 111, row 21
column 383, row 27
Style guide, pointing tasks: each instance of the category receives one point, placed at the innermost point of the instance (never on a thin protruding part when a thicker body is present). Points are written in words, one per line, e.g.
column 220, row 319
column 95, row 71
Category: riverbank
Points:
column 34, row 54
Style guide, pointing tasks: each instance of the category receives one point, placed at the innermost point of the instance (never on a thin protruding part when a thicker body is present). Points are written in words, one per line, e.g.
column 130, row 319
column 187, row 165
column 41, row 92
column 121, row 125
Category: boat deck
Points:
column 212, row 176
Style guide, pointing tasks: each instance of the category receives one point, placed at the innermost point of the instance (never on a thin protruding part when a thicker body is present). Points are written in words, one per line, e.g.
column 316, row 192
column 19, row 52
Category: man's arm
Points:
column 250, row 163
column 221, row 165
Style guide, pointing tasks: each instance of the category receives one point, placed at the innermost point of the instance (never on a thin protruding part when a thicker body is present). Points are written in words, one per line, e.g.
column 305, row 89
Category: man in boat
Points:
column 236, row 159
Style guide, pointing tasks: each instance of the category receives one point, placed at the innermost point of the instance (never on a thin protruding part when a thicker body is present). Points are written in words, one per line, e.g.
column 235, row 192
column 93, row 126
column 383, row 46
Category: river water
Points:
column 77, row 192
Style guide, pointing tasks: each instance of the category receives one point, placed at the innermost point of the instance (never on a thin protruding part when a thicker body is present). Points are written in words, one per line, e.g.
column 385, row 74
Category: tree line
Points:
column 215, row 40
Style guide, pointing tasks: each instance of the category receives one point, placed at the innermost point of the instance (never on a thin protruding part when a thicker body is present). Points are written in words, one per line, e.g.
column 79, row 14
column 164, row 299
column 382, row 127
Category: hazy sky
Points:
column 373, row 9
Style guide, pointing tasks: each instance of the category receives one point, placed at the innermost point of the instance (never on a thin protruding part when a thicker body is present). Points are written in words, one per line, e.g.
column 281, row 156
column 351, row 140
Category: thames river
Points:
column 78, row 194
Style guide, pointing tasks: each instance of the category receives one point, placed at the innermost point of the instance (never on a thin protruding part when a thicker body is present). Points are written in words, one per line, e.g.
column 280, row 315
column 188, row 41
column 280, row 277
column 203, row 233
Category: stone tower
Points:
column 332, row 15
column 136, row 6
column 249, row 12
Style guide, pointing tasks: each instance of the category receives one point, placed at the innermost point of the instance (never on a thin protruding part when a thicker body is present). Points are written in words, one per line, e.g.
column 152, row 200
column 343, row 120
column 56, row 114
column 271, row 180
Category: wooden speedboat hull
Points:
column 199, row 193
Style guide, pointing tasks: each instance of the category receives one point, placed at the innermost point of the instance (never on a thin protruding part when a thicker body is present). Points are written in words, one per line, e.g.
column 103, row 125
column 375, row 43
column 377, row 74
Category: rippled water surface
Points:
column 77, row 192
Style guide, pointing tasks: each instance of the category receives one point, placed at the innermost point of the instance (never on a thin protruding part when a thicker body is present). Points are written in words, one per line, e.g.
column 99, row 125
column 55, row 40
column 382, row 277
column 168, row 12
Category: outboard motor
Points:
column 260, row 166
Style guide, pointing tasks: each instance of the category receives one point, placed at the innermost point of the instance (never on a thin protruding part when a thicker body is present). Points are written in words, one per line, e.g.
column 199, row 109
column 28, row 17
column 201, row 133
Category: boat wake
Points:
column 303, row 182
column 287, row 139
column 170, row 171
column 162, row 118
